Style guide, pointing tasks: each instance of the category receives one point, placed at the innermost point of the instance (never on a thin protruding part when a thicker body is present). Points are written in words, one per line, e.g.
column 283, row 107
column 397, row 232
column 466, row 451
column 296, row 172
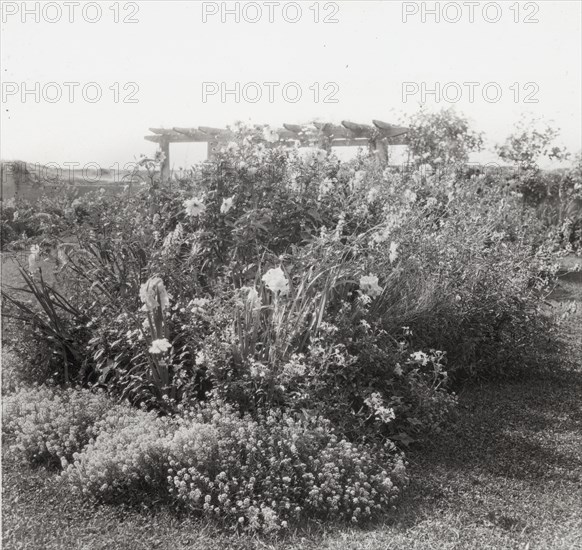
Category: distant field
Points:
column 28, row 181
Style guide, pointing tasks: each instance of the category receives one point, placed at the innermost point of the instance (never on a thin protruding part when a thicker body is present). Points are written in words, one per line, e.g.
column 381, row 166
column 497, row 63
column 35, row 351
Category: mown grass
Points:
column 506, row 475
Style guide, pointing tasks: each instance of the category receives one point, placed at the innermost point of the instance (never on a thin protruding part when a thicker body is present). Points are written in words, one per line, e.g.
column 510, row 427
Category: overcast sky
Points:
column 150, row 72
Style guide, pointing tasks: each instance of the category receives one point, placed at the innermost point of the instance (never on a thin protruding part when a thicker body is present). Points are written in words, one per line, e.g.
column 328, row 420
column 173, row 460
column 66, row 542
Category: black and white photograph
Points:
column 291, row 275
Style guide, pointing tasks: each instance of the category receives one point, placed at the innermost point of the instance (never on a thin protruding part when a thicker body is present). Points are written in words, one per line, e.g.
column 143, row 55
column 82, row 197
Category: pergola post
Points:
column 165, row 168
column 381, row 148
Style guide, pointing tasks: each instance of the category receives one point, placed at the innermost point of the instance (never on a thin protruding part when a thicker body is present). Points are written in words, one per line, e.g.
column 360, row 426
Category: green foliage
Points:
column 442, row 139
column 556, row 194
column 278, row 319
column 51, row 320
column 531, row 142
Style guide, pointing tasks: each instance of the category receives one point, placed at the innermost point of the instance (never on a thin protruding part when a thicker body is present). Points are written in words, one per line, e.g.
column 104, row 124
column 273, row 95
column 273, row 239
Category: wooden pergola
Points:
column 377, row 137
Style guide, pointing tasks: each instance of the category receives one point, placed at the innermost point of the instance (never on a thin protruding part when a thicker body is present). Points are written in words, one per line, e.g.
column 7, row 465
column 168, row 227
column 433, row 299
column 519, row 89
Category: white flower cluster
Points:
column 159, row 346
column 369, row 285
column 194, row 207
column 383, row 413
column 49, row 426
column 276, row 281
column 259, row 474
column 128, row 454
column 149, row 293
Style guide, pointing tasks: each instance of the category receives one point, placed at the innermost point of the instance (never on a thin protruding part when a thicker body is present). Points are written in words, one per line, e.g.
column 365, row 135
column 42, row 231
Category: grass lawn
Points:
column 506, row 475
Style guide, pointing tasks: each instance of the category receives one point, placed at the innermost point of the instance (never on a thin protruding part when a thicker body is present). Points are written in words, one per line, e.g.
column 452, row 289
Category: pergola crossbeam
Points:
column 192, row 134
column 377, row 137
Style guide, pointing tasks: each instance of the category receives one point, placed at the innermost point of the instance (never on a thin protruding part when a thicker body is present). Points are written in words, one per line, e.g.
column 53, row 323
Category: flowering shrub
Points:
column 441, row 140
column 257, row 474
column 286, row 280
column 126, row 460
column 49, row 425
column 263, row 475
column 555, row 194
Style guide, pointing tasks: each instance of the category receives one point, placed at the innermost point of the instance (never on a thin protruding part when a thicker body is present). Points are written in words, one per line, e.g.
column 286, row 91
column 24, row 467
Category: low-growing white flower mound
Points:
column 126, row 459
column 257, row 474
column 49, row 425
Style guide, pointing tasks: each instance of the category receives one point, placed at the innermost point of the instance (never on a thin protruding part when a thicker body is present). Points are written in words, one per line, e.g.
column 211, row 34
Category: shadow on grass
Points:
column 528, row 431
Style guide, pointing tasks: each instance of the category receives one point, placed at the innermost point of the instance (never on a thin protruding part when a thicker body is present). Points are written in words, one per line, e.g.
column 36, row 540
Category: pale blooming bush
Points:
column 126, row 460
column 48, row 425
column 264, row 475
column 255, row 474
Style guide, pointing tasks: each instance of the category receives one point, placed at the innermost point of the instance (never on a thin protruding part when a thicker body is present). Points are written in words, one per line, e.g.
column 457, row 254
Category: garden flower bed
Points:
column 259, row 342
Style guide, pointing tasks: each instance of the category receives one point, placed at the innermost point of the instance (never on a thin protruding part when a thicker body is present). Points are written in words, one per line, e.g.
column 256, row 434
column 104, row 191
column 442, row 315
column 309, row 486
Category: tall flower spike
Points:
column 276, row 281
column 150, row 291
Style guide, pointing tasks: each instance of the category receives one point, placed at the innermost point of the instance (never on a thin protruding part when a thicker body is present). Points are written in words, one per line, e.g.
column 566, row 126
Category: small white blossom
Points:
column 276, row 281
column 358, row 179
column 149, row 293
column 226, row 205
column 410, row 196
column 312, row 154
column 372, row 194
column 419, row 357
column 160, row 346
column 270, row 135
column 194, row 207
column 199, row 304
column 369, row 285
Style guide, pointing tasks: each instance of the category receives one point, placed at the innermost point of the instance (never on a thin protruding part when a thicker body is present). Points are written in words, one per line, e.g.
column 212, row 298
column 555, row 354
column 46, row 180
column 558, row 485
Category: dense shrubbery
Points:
column 555, row 194
column 24, row 223
column 374, row 266
column 441, row 140
column 333, row 305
